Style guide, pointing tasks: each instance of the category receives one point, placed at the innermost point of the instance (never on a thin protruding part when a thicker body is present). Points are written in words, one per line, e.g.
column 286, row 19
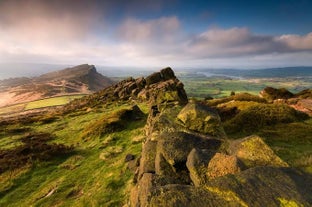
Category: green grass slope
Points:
column 92, row 173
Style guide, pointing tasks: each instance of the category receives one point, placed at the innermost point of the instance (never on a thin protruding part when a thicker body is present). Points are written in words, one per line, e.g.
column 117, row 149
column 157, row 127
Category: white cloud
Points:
column 234, row 42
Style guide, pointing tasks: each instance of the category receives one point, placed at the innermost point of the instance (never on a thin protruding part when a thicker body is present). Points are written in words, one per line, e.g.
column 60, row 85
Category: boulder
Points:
column 265, row 186
column 129, row 157
column 202, row 119
column 168, row 174
column 176, row 146
column 153, row 78
column 162, row 167
column 170, row 92
column 140, row 195
column 147, row 162
column 167, row 73
column 252, row 151
column 222, row 164
column 158, row 123
column 197, row 162
column 188, row 196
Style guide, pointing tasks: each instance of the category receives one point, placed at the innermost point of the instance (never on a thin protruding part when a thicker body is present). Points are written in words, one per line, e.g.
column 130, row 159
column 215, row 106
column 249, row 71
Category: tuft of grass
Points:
column 34, row 148
column 260, row 115
column 291, row 141
column 237, row 97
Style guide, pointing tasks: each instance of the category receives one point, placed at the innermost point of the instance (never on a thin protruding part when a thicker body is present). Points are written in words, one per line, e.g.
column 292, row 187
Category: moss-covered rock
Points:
column 189, row 196
column 148, row 155
column 162, row 167
column 153, row 78
column 265, row 186
column 197, row 162
column 167, row 73
column 162, row 122
column 201, row 118
column 140, row 195
column 253, row 152
column 176, row 146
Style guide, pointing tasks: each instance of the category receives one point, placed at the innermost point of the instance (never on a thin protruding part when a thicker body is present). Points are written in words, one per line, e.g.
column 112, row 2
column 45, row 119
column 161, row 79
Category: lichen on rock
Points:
column 253, row 152
column 202, row 119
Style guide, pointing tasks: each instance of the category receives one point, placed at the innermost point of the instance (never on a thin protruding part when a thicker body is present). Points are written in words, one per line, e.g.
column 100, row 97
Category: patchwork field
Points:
column 216, row 87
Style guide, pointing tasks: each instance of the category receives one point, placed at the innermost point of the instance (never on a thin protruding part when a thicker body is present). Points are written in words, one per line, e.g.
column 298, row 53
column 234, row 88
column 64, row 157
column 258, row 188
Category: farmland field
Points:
column 216, row 87
column 42, row 103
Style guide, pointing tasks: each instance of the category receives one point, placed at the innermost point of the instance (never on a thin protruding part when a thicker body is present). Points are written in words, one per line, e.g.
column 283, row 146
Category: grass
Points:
column 292, row 142
column 13, row 108
column 81, row 178
column 54, row 101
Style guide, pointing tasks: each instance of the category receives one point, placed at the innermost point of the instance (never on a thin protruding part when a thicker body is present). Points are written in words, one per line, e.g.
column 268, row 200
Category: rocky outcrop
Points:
column 202, row 119
column 301, row 101
column 188, row 161
column 272, row 94
column 160, row 89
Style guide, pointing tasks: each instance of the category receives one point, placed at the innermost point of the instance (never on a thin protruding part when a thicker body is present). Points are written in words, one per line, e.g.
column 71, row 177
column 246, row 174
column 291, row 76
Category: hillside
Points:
column 142, row 142
column 82, row 79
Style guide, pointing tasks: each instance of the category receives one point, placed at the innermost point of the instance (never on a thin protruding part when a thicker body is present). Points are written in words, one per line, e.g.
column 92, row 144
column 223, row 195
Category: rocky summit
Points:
column 187, row 159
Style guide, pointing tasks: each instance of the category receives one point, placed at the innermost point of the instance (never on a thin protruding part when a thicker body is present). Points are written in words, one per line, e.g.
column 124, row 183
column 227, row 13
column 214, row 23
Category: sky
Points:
column 157, row 33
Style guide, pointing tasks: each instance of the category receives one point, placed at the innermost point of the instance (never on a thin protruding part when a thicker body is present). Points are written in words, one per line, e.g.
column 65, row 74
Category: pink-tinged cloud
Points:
column 297, row 42
column 56, row 22
column 163, row 29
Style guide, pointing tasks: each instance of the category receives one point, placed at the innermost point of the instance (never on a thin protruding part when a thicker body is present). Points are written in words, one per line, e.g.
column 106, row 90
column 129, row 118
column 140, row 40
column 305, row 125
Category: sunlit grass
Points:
column 55, row 101
column 82, row 178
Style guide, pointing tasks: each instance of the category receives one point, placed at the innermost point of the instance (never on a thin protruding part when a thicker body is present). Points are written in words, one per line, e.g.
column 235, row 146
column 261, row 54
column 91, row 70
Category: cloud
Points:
column 233, row 42
column 76, row 31
column 297, row 42
column 37, row 21
column 163, row 29
column 237, row 42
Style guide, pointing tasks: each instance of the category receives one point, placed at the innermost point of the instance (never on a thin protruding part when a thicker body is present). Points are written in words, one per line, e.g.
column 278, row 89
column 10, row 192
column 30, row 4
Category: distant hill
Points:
column 81, row 79
column 263, row 73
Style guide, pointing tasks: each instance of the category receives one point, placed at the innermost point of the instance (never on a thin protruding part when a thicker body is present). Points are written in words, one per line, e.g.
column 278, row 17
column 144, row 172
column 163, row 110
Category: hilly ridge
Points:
column 82, row 79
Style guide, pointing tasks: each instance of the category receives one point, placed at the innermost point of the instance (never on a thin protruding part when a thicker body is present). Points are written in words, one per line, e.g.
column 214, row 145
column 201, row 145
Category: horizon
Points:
column 155, row 34
column 37, row 69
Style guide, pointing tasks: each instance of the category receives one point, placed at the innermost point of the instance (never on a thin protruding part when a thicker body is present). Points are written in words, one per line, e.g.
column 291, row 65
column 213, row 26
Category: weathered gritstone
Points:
column 183, row 165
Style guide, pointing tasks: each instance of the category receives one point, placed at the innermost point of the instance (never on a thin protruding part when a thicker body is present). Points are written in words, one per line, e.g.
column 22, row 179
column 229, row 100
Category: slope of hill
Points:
column 82, row 79
column 141, row 142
